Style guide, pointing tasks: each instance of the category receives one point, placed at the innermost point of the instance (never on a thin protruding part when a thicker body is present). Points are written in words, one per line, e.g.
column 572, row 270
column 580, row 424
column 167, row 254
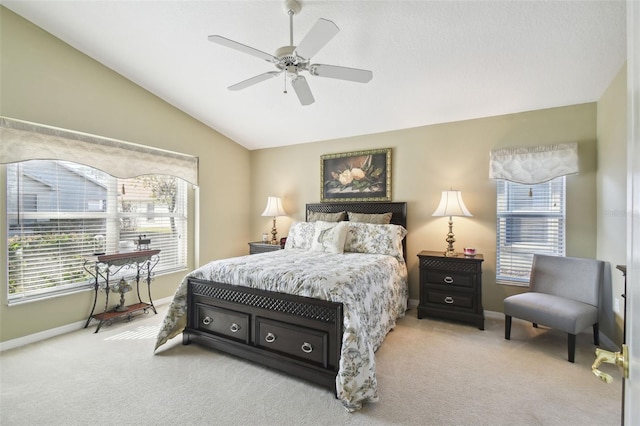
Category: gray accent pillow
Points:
column 326, row 217
column 378, row 219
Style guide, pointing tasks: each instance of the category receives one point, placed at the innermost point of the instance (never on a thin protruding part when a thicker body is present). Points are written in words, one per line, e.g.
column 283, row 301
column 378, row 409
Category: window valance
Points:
column 22, row 141
column 532, row 165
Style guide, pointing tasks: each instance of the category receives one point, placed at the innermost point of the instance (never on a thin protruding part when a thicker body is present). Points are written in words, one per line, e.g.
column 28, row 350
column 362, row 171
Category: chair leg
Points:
column 571, row 348
column 507, row 327
column 596, row 334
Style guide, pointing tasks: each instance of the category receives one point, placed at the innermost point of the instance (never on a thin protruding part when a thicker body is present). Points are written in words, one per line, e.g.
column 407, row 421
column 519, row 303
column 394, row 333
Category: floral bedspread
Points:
column 373, row 289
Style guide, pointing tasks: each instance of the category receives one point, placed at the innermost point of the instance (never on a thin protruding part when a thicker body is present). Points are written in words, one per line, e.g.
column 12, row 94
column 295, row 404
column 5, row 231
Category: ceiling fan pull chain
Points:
column 285, row 83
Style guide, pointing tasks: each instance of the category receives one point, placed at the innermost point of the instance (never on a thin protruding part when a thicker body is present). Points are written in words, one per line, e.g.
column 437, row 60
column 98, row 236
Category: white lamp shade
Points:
column 274, row 207
column 451, row 204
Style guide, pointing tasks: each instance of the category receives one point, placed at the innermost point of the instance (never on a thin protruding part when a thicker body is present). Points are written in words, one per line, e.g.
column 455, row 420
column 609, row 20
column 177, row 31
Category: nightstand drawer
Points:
column 453, row 299
column 223, row 322
column 301, row 342
column 449, row 278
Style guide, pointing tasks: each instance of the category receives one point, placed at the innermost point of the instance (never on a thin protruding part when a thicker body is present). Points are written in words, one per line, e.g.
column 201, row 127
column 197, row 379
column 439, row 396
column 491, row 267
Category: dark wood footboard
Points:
column 299, row 335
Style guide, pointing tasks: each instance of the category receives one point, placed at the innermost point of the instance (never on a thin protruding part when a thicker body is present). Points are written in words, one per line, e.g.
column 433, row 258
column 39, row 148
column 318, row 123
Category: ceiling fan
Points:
column 292, row 60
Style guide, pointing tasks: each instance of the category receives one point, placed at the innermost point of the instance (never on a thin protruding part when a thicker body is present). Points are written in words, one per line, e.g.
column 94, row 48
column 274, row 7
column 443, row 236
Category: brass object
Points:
column 450, row 252
column 618, row 358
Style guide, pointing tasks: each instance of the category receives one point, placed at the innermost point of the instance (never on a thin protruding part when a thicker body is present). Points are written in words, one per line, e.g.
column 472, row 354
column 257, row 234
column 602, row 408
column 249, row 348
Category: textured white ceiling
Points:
column 432, row 61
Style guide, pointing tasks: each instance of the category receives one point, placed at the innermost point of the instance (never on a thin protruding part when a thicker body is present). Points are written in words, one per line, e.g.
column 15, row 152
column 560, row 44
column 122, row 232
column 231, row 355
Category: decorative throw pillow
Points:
column 376, row 239
column 329, row 236
column 300, row 235
column 326, row 217
column 381, row 219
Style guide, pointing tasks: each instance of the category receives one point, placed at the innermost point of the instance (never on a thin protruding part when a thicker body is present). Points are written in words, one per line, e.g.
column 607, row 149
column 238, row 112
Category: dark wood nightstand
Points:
column 259, row 247
column 451, row 287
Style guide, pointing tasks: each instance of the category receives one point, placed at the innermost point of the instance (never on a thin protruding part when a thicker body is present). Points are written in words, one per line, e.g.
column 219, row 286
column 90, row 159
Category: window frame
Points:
column 111, row 214
column 550, row 222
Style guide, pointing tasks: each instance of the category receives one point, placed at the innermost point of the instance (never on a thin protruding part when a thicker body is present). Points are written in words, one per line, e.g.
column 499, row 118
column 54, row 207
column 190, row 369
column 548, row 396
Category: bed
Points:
column 318, row 313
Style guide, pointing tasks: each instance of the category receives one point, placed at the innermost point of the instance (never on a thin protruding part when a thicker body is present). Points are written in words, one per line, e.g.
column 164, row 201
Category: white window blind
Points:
column 530, row 220
column 57, row 211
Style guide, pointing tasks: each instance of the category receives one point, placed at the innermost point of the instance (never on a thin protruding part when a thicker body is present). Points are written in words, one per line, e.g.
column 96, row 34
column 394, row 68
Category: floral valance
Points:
column 533, row 165
column 22, row 141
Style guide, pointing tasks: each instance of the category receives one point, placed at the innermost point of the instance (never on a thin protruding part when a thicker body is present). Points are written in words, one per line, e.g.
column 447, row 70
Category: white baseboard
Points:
column 47, row 334
column 53, row 332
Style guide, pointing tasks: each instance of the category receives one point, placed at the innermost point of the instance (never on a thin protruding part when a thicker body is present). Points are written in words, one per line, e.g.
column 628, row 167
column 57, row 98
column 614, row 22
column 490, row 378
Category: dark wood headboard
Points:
column 398, row 212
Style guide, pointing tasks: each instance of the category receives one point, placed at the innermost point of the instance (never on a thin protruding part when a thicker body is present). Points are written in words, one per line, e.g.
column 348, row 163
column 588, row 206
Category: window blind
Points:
column 530, row 220
column 61, row 213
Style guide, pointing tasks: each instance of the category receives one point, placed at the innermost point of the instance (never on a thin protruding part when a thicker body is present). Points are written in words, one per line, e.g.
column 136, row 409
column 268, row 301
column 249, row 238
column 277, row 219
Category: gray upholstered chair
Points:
column 563, row 295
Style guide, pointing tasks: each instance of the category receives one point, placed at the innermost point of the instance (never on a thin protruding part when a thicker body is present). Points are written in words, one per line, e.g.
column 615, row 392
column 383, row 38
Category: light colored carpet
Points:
column 429, row 373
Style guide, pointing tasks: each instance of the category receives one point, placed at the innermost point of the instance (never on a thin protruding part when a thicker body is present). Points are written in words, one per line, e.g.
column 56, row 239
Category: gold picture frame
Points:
column 356, row 176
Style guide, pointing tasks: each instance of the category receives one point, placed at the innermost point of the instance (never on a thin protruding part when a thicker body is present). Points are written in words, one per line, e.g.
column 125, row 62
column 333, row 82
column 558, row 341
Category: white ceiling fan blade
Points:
column 319, row 35
column 254, row 80
column 303, row 91
column 243, row 48
column 341, row 73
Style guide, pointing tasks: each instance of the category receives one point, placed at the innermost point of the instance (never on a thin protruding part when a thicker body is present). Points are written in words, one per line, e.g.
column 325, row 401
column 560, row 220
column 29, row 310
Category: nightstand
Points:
column 259, row 247
column 451, row 287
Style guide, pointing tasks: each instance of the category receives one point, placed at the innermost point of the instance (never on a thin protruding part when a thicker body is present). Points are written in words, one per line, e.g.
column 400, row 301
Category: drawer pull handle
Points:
column 270, row 338
column 448, row 300
column 207, row 320
column 448, row 280
column 306, row 348
column 234, row 328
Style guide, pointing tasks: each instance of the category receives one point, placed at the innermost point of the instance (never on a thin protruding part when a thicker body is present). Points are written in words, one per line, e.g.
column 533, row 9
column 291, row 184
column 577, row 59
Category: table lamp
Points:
column 451, row 204
column 274, row 209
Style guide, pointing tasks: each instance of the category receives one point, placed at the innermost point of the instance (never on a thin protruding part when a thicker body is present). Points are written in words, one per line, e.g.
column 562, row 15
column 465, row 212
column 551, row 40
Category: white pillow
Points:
column 376, row 239
column 329, row 236
column 300, row 235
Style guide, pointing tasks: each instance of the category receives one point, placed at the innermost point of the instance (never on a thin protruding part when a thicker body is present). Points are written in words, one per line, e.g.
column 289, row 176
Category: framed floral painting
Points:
column 356, row 176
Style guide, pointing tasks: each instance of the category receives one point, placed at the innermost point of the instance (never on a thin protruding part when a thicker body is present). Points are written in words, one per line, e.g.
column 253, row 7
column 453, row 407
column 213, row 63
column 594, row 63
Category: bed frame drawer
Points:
column 307, row 332
column 223, row 322
column 300, row 342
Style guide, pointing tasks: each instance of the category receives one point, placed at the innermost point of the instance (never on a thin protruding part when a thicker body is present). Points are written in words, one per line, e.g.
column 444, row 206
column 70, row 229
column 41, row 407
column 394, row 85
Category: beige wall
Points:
column 429, row 159
column 43, row 80
column 612, row 197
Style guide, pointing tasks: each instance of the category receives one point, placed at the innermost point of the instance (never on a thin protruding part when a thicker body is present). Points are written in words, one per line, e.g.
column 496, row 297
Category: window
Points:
column 59, row 213
column 530, row 220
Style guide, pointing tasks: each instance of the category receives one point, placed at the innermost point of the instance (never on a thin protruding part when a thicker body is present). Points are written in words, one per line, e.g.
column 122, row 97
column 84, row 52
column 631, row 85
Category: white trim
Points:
column 53, row 332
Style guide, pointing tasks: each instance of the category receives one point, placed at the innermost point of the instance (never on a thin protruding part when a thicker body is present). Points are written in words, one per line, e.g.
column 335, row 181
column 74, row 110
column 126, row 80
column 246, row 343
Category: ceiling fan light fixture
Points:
column 292, row 71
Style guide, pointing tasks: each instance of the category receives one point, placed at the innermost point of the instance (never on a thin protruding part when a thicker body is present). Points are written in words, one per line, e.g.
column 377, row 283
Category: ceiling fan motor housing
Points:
column 288, row 58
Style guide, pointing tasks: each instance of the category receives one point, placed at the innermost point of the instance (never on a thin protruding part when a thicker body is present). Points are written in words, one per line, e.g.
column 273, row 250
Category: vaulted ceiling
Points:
column 432, row 61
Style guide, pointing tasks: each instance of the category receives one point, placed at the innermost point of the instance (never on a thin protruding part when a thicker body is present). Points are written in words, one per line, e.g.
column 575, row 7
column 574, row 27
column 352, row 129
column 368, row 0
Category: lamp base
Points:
column 274, row 232
column 450, row 252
